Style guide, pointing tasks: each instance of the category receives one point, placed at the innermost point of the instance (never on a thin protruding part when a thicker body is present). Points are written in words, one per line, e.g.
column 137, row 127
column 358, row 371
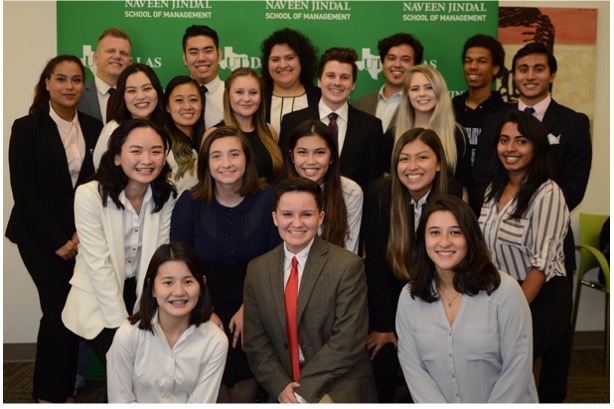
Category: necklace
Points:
column 450, row 300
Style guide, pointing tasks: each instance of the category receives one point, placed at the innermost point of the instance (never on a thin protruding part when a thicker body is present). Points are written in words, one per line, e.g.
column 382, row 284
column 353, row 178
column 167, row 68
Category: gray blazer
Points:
column 368, row 104
column 332, row 320
column 89, row 101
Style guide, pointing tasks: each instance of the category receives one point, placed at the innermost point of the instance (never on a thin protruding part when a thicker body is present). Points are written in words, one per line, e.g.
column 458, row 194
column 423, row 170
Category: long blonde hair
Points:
column 258, row 119
column 442, row 119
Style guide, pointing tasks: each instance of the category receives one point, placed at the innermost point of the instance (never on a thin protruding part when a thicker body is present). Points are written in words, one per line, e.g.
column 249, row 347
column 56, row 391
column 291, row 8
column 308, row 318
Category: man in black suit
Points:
column 534, row 70
column 360, row 135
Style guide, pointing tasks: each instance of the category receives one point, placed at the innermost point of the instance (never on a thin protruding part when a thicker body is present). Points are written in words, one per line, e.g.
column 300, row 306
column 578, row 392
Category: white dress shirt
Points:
column 143, row 368
column 73, row 141
column 353, row 197
column 102, row 90
column 214, row 106
column 386, row 107
column 540, row 108
column 342, row 120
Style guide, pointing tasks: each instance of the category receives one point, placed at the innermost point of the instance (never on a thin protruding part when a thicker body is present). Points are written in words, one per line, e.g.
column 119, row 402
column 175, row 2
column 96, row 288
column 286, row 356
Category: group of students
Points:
column 202, row 256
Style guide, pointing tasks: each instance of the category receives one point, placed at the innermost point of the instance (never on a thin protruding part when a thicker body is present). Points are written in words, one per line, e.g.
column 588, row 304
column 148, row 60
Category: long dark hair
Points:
column 119, row 110
column 538, row 171
column 112, row 178
column 401, row 237
column 335, row 227
column 473, row 274
column 174, row 251
column 205, row 188
column 41, row 95
column 182, row 150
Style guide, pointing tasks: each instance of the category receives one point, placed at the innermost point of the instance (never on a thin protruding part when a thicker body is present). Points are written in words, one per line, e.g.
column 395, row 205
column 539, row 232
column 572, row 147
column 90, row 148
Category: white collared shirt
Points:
column 133, row 232
column 418, row 206
column 342, row 120
column 214, row 107
column 386, row 107
column 102, row 89
column 540, row 108
column 73, row 141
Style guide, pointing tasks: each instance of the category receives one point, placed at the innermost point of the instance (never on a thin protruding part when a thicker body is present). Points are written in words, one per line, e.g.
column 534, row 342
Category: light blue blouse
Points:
column 485, row 356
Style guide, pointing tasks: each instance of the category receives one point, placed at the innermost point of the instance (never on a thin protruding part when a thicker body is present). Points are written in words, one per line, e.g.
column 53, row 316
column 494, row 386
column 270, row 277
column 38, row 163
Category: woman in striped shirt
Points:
column 524, row 220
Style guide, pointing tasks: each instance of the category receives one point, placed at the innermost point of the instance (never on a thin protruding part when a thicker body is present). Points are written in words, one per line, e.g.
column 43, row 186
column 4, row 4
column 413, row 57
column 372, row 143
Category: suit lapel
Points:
column 314, row 267
column 551, row 116
column 56, row 147
column 276, row 279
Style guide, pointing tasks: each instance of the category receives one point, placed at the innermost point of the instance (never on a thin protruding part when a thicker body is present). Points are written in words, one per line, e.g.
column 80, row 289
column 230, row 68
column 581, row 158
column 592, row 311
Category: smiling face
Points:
column 65, row 86
column 445, row 242
column 140, row 95
column 176, row 292
column 417, row 168
column 227, row 162
column 185, row 106
column 421, row 93
column 201, row 56
column 478, row 68
column 515, row 151
column 142, row 157
column 284, row 66
column 399, row 59
column 112, row 56
column 244, row 96
column 297, row 218
column 311, row 157
column 532, row 77
column 336, row 83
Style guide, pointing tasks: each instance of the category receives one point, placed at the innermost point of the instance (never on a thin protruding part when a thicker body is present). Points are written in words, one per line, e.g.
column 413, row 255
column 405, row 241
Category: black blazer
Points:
column 43, row 216
column 313, row 97
column 362, row 158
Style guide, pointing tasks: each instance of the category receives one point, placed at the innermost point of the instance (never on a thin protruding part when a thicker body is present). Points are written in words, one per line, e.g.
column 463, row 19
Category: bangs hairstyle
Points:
column 298, row 184
column 41, row 95
column 119, row 110
column 473, row 274
column 442, row 120
column 401, row 237
column 174, row 251
column 183, row 152
column 205, row 188
column 111, row 177
column 335, row 226
column 538, row 171
column 258, row 118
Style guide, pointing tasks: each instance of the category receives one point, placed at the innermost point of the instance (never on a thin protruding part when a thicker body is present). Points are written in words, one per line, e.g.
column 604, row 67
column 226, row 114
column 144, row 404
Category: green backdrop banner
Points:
column 156, row 28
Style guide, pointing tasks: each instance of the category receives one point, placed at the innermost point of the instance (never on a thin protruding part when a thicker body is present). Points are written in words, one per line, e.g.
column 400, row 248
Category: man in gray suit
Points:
column 111, row 57
column 398, row 53
column 305, row 309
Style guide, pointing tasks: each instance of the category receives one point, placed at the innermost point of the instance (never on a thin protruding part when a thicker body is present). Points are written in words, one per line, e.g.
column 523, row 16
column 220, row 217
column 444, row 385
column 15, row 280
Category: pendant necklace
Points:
column 450, row 300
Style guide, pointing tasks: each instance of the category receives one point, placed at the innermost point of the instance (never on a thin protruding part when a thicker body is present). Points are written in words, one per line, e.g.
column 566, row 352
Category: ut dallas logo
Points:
column 231, row 60
column 370, row 63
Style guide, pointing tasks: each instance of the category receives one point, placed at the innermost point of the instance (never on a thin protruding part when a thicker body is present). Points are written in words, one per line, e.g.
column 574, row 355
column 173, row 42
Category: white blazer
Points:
column 95, row 300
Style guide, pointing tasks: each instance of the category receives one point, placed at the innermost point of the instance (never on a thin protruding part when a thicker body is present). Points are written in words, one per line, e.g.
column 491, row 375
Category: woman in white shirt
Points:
column 169, row 351
column 122, row 217
column 313, row 155
column 464, row 328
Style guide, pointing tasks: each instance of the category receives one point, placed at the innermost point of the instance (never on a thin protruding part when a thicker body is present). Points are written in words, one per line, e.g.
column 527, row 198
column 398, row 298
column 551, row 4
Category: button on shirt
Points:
column 342, row 120
column 386, row 107
column 73, row 141
column 133, row 232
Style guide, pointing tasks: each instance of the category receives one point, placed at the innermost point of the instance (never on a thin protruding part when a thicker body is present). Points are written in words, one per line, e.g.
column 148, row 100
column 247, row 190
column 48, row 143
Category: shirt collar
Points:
column 157, row 329
column 395, row 96
column 148, row 196
column 301, row 255
column 213, row 85
column 422, row 201
column 540, row 108
column 325, row 110
column 101, row 86
column 60, row 122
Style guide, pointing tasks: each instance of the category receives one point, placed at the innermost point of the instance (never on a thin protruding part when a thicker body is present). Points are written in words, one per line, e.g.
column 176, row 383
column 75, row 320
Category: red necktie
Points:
column 110, row 103
column 332, row 117
column 291, row 300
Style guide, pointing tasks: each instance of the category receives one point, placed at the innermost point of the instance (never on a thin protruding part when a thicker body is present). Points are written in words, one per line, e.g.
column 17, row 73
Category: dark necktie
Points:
column 291, row 301
column 529, row 110
column 332, row 117
column 110, row 103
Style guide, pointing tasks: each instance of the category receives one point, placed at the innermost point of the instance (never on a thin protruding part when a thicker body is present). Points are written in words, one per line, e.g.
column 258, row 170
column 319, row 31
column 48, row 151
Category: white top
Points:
column 214, row 106
column 73, row 141
column 189, row 177
column 533, row 241
column 386, row 107
column 342, row 120
column 143, row 368
column 102, row 90
column 280, row 106
column 133, row 232
column 485, row 356
column 353, row 196
column 103, row 141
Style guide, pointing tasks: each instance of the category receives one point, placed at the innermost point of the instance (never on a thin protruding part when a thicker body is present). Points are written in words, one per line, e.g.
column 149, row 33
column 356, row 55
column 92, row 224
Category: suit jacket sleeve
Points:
column 344, row 348
column 25, row 183
column 258, row 345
